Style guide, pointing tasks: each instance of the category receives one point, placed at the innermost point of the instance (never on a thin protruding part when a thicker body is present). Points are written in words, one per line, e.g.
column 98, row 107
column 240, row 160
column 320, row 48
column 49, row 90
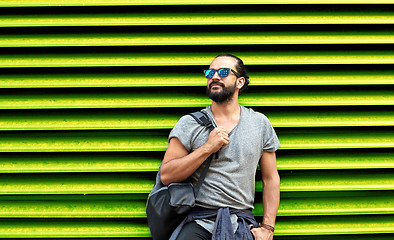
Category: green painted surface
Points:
column 191, row 58
column 118, row 119
column 134, row 162
column 34, row 3
column 83, row 141
column 207, row 38
column 171, row 98
column 328, row 225
column 331, row 118
column 165, row 79
column 78, row 162
column 123, row 183
column 112, row 208
column 126, row 228
column 339, row 237
column 93, row 141
column 77, row 183
column 333, row 206
column 335, row 181
column 203, row 17
column 335, row 160
column 116, row 208
column 93, row 120
column 72, row 228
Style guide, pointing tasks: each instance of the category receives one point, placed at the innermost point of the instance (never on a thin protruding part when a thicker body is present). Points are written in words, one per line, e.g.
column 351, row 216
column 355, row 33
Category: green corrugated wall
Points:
column 89, row 91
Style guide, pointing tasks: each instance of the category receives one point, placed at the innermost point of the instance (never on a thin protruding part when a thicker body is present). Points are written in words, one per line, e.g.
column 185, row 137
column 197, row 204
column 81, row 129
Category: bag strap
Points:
column 203, row 119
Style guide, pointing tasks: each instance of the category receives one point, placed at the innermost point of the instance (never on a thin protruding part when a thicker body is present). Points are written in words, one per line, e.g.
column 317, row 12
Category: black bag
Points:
column 168, row 205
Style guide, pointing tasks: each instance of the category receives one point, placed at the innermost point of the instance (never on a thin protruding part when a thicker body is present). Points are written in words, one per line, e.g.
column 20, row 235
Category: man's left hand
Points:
column 262, row 234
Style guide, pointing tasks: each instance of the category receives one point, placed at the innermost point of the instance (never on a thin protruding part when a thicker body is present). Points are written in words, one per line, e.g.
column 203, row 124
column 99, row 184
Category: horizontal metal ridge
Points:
column 335, row 237
column 333, row 206
column 193, row 58
column 114, row 208
column 168, row 79
column 127, row 98
column 102, row 141
column 199, row 17
column 334, row 225
column 134, row 162
column 86, row 3
column 334, row 180
column 76, row 183
column 107, row 119
column 195, row 38
column 124, row 183
column 58, row 228
column 352, row 159
column 72, row 228
column 111, row 208
column 91, row 141
column 79, row 162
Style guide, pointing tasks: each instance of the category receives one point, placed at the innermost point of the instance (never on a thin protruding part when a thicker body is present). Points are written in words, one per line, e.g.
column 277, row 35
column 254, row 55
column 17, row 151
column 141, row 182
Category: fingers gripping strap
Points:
column 203, row 119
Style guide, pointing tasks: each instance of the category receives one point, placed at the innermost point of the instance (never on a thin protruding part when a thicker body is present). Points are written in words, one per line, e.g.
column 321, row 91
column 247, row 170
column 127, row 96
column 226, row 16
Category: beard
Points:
column 225, row 95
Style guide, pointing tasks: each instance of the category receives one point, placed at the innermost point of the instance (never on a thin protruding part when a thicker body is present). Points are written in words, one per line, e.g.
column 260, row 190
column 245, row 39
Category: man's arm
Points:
column 178, row 164
column 271, row 194
column 271, row 187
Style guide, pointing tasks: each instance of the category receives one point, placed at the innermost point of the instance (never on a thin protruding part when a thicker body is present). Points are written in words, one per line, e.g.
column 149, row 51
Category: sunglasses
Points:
column 222, row 72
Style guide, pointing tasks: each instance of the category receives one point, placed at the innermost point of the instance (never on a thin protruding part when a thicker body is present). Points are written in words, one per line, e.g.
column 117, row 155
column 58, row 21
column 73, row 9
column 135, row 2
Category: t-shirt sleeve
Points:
column 270, row 140
column 183, row 130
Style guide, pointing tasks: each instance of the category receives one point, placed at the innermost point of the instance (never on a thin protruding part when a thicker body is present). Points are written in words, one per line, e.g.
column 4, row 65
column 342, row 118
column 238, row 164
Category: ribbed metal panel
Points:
column 89, row 91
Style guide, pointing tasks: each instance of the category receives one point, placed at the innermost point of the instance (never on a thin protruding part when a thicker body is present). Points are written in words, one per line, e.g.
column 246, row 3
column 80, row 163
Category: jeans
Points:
column 193, row 231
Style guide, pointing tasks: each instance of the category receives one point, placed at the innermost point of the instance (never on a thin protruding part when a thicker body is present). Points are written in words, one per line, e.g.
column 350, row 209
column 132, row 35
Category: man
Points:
column 244, row 138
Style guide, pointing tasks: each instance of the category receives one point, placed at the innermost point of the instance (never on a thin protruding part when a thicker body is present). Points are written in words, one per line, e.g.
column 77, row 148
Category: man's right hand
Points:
column 217, row 139
column 178, row 164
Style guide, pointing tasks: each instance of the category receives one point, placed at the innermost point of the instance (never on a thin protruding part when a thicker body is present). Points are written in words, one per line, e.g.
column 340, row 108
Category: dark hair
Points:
column 240, row 68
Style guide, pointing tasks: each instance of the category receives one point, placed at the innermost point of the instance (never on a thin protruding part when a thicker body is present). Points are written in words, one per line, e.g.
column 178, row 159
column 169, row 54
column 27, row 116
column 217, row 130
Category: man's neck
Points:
column 226, row 110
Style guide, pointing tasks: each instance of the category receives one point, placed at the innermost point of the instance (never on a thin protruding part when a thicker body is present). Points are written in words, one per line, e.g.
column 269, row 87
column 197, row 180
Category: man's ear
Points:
column 240, row 82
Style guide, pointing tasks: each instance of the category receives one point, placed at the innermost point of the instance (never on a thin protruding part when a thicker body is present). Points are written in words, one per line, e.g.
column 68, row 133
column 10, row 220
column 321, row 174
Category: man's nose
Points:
column 216, row 75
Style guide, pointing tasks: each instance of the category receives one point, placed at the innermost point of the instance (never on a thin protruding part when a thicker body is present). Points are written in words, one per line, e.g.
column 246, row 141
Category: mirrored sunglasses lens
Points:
column 209, row 73
column 223, row 72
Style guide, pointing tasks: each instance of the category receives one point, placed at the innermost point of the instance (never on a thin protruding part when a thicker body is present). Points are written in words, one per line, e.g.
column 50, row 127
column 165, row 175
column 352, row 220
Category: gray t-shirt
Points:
column 230, row 181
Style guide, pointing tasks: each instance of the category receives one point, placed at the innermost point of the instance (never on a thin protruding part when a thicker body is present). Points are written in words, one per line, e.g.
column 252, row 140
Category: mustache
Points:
column 216, row 82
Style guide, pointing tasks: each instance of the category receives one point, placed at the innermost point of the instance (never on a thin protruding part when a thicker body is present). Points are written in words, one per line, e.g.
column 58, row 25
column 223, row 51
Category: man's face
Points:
column 221, row 89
